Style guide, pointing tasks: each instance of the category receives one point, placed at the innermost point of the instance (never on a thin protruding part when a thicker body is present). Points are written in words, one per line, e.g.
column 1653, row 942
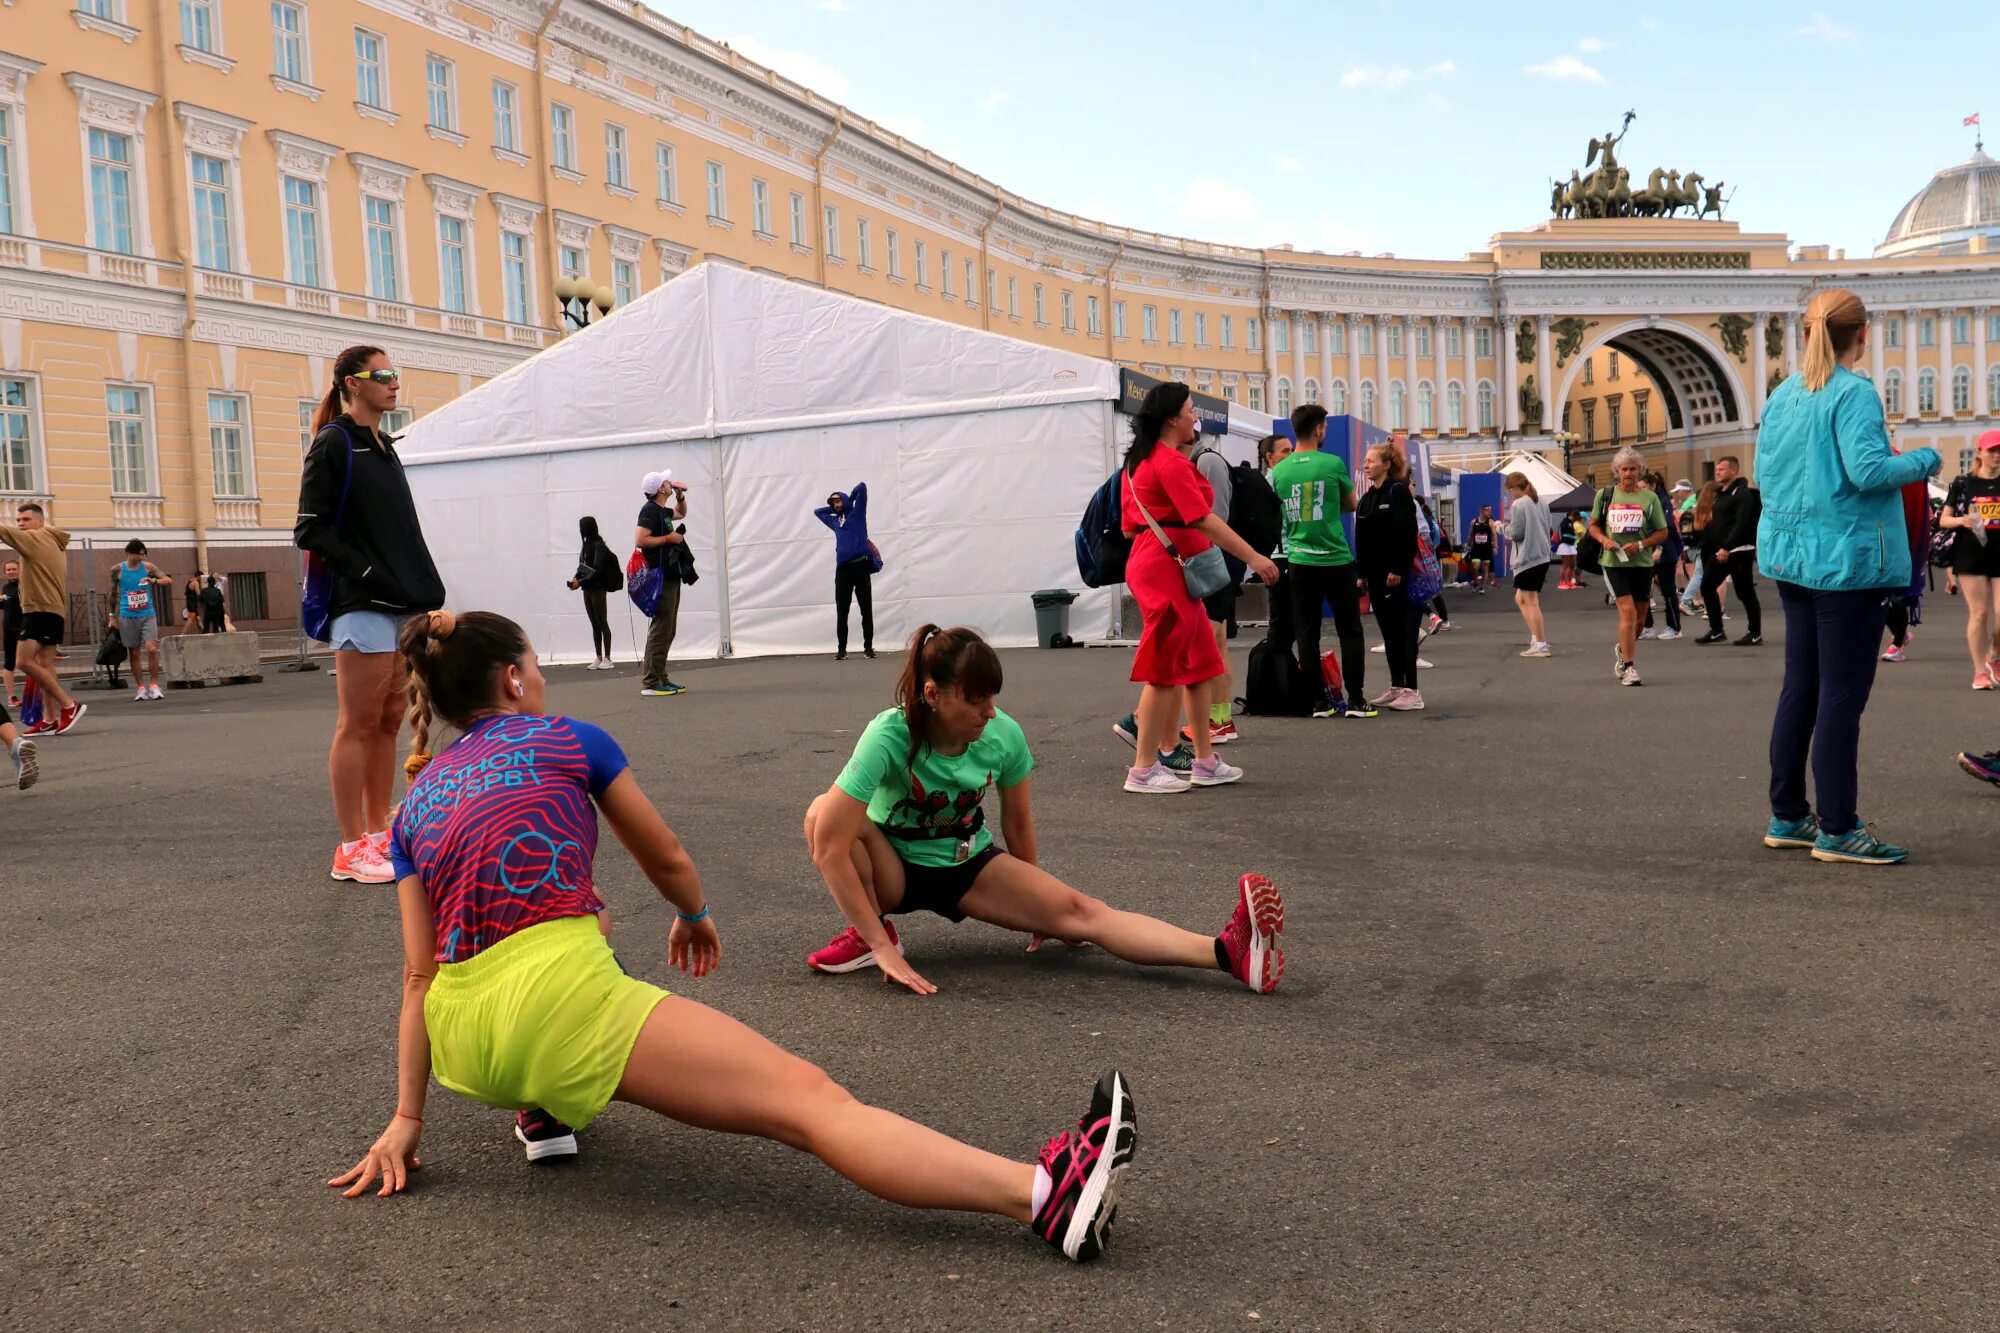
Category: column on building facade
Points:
column 1981, row 401
column 1758, row 367
column 1910, row 327
column 1354, row 364
column 1325, row 322
column 1877, row 322
column 1440, row 408
column 1946, row 406
column 1270, row 364
column 1299, row 359
column 1508, row 375
column 1381, row 369
column 1471, row 349
column 1792, row 342
column 1551, row 409
column 1412, row 370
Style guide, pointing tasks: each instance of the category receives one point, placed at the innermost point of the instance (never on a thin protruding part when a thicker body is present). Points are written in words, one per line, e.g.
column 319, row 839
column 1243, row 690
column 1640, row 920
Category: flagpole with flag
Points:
column 1978, row 136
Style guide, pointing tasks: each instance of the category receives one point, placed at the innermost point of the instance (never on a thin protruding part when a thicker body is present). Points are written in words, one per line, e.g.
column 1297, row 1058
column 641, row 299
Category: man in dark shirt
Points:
column 1732, row 551
column 10, row 630
column 1479, row 546
column 853, row 564
column 661, row 541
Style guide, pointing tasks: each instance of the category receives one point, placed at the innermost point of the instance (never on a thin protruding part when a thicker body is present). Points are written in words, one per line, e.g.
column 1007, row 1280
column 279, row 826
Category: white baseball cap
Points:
column 654, row 481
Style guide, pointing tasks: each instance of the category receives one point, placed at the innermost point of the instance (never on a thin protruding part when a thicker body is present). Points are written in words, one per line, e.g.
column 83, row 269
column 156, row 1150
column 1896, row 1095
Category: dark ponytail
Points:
column 944, row 658
column 349, row 362
column 1162, row 403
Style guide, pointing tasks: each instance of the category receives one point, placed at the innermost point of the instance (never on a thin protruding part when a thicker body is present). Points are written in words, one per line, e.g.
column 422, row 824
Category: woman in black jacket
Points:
column 356, row 513
column 596, row 576
column 1385, row 546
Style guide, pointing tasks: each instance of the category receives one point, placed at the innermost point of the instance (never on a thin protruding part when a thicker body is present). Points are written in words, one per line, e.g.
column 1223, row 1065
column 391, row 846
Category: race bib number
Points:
column 1988, row 512
column 138, row 602
column 1625, row 520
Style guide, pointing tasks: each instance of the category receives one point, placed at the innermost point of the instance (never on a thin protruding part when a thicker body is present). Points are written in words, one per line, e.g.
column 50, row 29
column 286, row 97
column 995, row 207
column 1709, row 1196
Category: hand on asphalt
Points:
column 895, row 967
column 393, row 1158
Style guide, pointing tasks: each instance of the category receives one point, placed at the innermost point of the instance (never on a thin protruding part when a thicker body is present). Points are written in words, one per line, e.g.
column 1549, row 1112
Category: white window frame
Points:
column 1310, row 394
column 1149, row 323
column 992, row 289
column 1336, row 396
column 381, row 110
column 624, row 282
column 1281, row 338
column 572, row 261
column 894, row 243
column 1993, row 333
column 1482, row 343
column 468, row 268
column 440, row 97
column 213, row 46
column 296, row 41
column 1426, row 401
column 617, row 157
column 1454, row 343
column 200, row 226
column 397, row 420
column 944, row 275
column 1454, row 398
column 1068, row 311
column 562, row 137
column 1927, row 331
column 307, row 161
column 1118, row 325
column 308, row 407
column 716, row 180
column 797, row 205
column 507, row 118
column 1093, row 315
column 1041, row 306
column 971, row 282
column 1284, row 398
column 1992, row 389
column 148, row 441
column 525, row 314
column 1486, row 406
column 829, row 221
column 1423, row 340
column 14, row 74
column 1256, row 398
column 1200, row 328
column 1395, row 337
column 1173, row 326
column 1927, row 395
column 1961, row 330
column 384, row 181
column 30, row 413
column 1013, row 298
column 1253, row 334
column 864, row 245
column 1309, row 330
column 1892, row 333
column 138, row 205
column 923, row 266
column 760, row 208
column 1961, row 378
column 1336, row 337
column 666, row 175
column 247, row 438
column 1892, row 392
column 1368, row 400
column 1228, row 340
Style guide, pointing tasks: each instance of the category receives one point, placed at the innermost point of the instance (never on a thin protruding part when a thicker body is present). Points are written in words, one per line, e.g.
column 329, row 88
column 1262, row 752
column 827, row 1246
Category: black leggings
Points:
column 851, row 583
column 1897, row 611
column 1742, row 571
column 600, row 623
column 1437, row 605
column 1667, row 572
column 1397, row 619
column 1312, row 587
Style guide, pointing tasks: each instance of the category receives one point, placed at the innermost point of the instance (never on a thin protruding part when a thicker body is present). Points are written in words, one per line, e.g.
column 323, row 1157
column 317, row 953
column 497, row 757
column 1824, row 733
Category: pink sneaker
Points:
column 1982, row 679
column 848, row 952
column 1079, row 1171
column 1250, row 938
column 358, row 862
column 1406, row 701
column 1895, row 653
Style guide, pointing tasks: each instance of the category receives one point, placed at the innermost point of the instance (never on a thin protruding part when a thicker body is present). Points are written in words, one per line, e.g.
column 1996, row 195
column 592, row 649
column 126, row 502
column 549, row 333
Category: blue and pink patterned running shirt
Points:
column 501, row 828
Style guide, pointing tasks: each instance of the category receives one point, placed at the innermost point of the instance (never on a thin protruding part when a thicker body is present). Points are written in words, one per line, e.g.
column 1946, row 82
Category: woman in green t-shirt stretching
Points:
column 903, row 829
column 1628, row 522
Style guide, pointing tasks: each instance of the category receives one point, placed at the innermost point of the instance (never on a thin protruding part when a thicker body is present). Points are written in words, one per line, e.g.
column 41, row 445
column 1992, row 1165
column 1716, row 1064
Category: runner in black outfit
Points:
column 1732, row 552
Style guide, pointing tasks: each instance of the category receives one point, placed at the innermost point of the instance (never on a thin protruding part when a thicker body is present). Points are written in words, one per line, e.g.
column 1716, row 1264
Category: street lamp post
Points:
column 1567, row 439
column 576, row 296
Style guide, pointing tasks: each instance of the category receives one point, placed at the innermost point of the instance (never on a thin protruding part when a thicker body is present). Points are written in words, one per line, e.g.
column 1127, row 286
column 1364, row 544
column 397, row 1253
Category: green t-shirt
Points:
column 1314, row 488
column 1628, row 516
column 929, row 809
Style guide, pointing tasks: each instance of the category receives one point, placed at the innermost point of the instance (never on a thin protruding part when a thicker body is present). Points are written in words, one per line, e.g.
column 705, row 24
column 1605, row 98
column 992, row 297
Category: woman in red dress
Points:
column 1178, row 661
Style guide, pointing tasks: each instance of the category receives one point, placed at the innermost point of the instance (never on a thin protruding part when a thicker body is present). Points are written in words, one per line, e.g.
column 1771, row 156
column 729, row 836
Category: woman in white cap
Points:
column 658, row 537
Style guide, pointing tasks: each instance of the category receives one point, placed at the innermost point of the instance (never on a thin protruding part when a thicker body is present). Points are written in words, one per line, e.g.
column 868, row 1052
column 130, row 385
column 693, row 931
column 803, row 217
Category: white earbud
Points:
column 519, row 689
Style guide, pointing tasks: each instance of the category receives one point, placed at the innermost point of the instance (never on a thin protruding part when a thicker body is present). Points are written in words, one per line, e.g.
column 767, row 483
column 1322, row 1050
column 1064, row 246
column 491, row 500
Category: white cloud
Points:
column 994, row 101
column 803, row 66
column 1377, row 76
column 1443, row 69
column 910, row 127
column 1290, row 164
column 1593, row 46
column 1825, row 29
column 836, row 6
column 1565, row 69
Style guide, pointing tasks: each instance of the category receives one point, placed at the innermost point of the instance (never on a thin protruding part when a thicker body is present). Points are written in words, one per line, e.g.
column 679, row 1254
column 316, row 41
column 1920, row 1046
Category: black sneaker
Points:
column 1713, row 636
column 1750, row 641
column 840, row 655
column 1326, row 705
column 543, row 1135
column 868, row 653
column 1084, row 1166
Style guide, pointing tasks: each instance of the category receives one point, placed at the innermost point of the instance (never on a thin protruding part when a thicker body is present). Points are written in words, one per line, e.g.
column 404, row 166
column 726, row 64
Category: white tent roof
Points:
column 723, row 351
column 1550, row 481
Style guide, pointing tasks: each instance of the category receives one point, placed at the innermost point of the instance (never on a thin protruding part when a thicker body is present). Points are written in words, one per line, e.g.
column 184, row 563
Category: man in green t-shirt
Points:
column 1628, row 521
column 1315, row 488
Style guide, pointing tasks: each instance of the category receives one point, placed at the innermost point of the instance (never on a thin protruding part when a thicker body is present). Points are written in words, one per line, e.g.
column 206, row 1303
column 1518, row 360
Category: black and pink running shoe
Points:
column 1251, row 937
column 543, row 1135
column 1084, row 1166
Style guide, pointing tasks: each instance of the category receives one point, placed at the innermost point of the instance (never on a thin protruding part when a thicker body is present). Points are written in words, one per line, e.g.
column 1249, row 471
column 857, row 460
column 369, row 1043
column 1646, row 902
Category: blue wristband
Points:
column 696, row 919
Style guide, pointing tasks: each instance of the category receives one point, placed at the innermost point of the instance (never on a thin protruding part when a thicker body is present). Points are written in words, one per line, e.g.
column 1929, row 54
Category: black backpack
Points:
column 610, row 575
column 211, row 598
column 1271, row 683
column 1254, row 509
column 1101, row 544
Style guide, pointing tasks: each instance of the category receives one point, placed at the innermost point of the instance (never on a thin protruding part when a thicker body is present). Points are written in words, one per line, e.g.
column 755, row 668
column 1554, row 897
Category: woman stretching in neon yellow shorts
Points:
column 512, row 996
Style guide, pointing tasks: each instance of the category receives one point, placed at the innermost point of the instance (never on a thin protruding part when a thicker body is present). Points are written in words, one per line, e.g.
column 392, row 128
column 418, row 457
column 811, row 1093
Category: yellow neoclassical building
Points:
column 201, row 201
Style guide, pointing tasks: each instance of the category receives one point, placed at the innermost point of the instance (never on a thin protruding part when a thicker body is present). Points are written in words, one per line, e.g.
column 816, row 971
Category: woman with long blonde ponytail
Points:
column 1832, row 536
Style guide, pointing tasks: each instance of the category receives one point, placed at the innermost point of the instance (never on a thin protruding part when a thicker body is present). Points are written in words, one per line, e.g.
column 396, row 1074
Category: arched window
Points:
column 1426, row 403
column 1454, row 406
column 1368, row 399
column 1892, row 393
column 1284, row 395
column 1312, row 387
column 1397, row 419
column 1926, row 392
column 1336, row 401
column 1486, row 417
column 1961, row 390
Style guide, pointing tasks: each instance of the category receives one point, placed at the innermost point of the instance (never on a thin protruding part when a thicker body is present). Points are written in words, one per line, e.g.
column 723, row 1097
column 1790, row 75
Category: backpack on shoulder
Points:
column 1102, row 548
column 1255, row 511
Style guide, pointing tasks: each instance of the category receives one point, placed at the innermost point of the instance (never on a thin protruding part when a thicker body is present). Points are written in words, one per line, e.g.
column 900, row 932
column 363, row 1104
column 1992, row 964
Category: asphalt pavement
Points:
column 1560, row 1045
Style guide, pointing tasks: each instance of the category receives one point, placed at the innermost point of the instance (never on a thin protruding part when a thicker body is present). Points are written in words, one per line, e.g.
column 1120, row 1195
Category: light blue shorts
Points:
column 366, row 631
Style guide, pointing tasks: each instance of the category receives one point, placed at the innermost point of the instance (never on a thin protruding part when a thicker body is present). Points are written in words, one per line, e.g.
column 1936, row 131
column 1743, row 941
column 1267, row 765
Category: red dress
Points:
column 1176, row 647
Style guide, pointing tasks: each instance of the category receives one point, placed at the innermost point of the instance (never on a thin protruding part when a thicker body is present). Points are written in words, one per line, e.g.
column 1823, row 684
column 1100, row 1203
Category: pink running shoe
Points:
column 360, row 863
column 848, row 952
column 1079, row 1170
column 1982, row 680
column 1895, row 653
column 1251, row 937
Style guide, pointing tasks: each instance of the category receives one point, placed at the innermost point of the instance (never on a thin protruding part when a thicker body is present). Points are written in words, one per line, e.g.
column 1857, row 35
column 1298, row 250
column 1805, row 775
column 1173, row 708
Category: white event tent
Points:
column 1550, row 481
column 762, row 396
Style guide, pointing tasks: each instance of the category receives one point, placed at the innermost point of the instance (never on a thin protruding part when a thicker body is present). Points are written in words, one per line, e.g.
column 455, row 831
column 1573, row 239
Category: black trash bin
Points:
column 1052, row 618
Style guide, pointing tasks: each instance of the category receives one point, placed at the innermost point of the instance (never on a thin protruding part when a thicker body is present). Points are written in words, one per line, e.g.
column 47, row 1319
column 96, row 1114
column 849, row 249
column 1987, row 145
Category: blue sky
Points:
column 1419, row 129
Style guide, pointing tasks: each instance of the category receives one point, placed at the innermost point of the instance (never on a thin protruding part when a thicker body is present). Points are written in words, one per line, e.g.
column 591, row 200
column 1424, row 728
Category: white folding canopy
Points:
column 762, row 396
column 1550, row 481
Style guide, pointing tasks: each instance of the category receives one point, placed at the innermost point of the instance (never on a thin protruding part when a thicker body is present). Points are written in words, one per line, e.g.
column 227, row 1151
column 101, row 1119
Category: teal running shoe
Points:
column 1861, row 847
column 1789, row 833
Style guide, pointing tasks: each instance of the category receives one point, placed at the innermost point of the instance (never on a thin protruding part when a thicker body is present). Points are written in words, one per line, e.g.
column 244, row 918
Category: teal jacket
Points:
column 1833, row 512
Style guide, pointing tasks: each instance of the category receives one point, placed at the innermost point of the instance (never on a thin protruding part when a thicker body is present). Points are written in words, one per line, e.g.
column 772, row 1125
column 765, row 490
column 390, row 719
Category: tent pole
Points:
column 726, row 649
column 1111, row 465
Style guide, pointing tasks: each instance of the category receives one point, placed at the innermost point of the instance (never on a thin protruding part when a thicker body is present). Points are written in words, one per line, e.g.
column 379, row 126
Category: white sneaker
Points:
column 1159, row 780
column 1537, row 650
column 1628, row 674
column 143, row 694
column 1423, row 664
column 1378, row 648
column 155, row 692
column 1220, row 773
column 1406, row 701
column 1670, row 634
column 1647, row 634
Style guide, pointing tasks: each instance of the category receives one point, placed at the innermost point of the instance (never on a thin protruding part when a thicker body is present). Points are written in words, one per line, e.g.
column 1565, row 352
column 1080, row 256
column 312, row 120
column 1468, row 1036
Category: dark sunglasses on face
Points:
column 379, row 376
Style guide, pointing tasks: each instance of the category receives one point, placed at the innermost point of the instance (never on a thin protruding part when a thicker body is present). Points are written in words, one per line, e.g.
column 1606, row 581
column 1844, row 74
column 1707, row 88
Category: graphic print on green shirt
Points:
column 1628, row 516
column 929, row 809
column 1314, row 487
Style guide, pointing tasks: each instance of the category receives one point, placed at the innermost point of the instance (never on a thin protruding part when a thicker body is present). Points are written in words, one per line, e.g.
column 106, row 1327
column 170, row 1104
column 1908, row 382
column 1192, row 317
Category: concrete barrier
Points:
column 193, row 660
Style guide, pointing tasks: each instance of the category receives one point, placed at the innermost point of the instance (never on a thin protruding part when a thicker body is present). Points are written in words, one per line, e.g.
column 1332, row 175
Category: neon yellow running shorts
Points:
column 543, row 1018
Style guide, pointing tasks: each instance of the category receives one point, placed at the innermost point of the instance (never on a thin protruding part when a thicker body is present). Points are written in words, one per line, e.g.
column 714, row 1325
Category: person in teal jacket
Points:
column 1832, row 537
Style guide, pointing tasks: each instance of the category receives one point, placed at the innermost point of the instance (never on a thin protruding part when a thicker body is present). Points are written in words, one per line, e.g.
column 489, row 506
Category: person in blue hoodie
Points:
column 1832, row 537
column 854, row 564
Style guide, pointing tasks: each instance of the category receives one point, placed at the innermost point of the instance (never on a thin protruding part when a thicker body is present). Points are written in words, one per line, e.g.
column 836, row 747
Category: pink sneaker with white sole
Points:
column 848, row 952
column 1251, row 937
